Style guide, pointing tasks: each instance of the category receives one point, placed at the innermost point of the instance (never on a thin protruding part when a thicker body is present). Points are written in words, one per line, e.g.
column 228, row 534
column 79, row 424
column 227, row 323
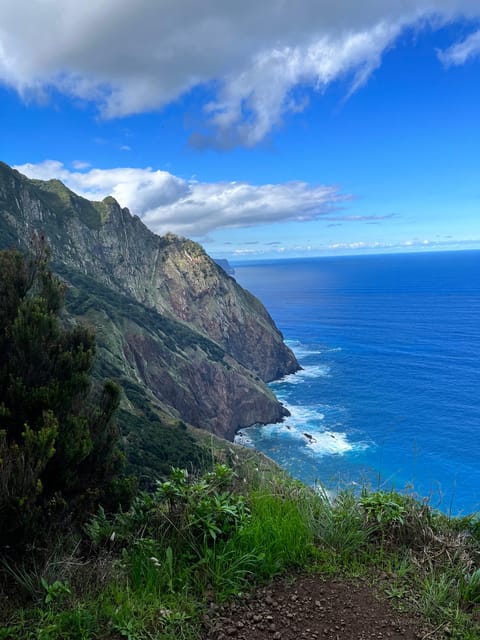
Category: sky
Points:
column 286, row 128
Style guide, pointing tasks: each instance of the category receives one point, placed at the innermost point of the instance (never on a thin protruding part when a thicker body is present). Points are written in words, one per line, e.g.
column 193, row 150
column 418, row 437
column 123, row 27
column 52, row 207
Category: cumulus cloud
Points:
column 168, row 203
column 131, row 57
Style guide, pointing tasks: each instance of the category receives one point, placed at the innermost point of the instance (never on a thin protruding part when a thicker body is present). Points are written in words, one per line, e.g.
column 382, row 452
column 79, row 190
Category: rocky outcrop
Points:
column 169, row 320
column 220, row 398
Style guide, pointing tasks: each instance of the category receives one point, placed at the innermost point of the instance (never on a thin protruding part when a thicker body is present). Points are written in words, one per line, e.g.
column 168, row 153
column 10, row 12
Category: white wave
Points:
column 323, row 443
column 314, row 371
column 303, row 415
column 328, row 443
column 307, row 373
column 316, row 442
column 302, row 418
column 306, row 428
column 307, row 424
column 303, row 351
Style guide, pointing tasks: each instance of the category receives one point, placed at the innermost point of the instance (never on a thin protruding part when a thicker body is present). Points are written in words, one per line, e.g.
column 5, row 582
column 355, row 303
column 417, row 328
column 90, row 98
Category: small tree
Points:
column 58, row 452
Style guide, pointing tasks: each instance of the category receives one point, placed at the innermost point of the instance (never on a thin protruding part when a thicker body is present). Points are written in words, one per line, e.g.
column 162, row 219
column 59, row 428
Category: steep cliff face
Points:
column 197, row 290
column 169, row 320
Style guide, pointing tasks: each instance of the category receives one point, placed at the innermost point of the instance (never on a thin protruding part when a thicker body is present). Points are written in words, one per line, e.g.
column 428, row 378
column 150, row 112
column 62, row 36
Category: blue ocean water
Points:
column 389, row 394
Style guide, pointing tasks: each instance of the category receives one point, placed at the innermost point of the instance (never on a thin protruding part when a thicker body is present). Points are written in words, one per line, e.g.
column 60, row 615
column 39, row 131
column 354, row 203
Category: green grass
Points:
column 280, row 531
column 65, row 203
column 148, row 573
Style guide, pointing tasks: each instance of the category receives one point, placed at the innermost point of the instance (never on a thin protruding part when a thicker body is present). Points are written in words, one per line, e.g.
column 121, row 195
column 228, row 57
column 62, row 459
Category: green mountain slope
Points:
column 183, row 339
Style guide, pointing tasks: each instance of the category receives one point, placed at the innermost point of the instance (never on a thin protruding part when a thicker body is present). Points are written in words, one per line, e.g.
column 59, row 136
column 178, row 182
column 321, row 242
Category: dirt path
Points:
column 311, row 607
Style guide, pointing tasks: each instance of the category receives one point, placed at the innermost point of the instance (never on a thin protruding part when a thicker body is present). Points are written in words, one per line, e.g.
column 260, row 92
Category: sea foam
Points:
column 308, row 372
column 302, row 350
column 305, row 429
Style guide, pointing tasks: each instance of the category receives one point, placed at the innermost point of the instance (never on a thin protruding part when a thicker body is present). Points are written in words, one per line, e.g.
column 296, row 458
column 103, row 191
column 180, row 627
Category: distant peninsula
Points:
column 226, row 266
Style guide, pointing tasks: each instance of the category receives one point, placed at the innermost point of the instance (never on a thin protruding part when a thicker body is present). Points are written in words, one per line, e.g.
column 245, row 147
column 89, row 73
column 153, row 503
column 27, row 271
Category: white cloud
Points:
column 130, row 57
column 253, row 102
column 399, row 246
column 459, row 53
column 350, row 247
column 168, row 203
column 80, row 164
column 362, row 218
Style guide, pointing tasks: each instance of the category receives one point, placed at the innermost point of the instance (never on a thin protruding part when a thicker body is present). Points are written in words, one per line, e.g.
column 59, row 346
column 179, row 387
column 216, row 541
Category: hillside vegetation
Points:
column 184, row 342
column 83, row 557
column 59, row 449
column 91, row 549
column 158, row 570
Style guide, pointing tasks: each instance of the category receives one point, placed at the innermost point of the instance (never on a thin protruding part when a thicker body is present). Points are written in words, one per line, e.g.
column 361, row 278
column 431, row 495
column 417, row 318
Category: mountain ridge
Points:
column 170, row 322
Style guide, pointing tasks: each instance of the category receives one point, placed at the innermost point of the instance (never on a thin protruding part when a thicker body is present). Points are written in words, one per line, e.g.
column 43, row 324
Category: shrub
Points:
column 57, row 436
column 190, row 513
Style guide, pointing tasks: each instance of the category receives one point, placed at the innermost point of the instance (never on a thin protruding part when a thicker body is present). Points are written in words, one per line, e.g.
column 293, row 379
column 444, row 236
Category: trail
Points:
column 312, row 607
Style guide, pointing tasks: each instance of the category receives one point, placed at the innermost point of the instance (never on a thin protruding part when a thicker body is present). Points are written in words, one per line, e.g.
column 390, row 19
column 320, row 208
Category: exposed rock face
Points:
column 168, row 318
column 199, row 293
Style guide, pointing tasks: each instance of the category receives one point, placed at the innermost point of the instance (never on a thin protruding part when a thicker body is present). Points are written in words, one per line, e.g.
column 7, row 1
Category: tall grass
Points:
column 151, row 572
column 280, row 532
column 341, row 526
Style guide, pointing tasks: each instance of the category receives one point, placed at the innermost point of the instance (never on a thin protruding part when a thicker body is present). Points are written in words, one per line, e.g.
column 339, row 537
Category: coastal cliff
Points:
column 172, row 327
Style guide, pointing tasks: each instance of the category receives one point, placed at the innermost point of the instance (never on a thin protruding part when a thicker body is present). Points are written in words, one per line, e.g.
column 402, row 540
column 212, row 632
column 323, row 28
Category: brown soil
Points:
column 312, row 607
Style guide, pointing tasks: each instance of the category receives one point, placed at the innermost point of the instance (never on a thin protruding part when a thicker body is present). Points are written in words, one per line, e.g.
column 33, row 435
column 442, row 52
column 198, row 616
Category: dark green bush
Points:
column 58, row 449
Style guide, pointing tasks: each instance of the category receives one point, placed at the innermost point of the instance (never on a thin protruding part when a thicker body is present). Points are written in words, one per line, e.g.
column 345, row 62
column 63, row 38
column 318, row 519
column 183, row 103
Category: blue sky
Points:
column 291, row 129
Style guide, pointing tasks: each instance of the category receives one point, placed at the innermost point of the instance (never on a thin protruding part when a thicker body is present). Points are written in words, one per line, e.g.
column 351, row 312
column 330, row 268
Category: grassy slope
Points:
column 148, row 573
column 155, row 441
column 57, row 197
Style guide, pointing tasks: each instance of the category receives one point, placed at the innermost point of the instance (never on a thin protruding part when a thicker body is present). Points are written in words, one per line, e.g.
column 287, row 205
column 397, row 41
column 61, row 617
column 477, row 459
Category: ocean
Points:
column 389, row 393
